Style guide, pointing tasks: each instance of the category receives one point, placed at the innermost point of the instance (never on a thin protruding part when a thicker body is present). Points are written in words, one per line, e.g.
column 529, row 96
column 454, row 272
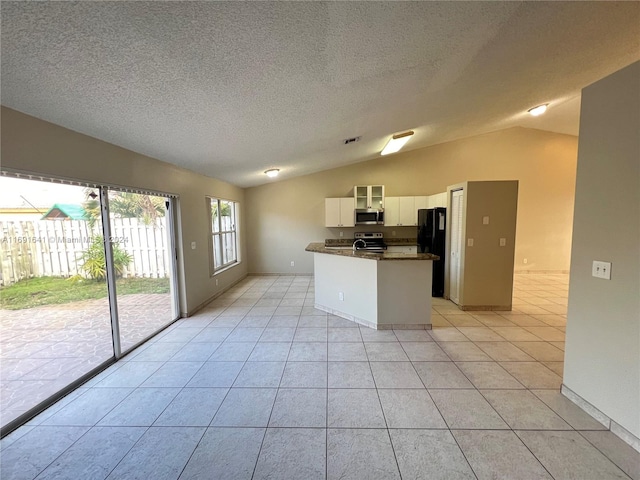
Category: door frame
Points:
column 447, row 270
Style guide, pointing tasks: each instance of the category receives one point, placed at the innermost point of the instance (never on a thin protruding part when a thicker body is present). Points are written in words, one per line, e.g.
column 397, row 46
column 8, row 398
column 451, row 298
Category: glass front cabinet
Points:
column 369, row 196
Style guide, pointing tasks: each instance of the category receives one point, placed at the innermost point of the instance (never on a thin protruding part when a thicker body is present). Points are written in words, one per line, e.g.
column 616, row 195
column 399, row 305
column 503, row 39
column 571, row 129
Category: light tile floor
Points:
column 262, row 385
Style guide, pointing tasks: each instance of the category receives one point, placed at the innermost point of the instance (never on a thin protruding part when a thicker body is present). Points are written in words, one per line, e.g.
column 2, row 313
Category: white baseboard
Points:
column 625, row 435
column 618, row 430
column 541, row 272
column 212, row 298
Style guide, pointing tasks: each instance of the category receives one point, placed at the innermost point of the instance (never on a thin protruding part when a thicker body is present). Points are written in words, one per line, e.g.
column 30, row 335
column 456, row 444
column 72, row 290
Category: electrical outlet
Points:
column 193, row 245
column 469, row 242
column 342, row 234
column 525, row 261
column 341, row 296
column 216, row 282
column 601, row 270
column 503, row 242
column 293, row 264
column 485, row 220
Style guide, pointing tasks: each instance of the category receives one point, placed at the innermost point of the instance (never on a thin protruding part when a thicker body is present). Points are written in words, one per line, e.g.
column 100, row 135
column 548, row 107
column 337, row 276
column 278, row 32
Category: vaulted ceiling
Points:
column 230, row 89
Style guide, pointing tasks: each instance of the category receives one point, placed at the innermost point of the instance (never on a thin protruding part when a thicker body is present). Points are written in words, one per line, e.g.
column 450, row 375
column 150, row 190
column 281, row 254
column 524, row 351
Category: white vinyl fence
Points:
column 53, row 248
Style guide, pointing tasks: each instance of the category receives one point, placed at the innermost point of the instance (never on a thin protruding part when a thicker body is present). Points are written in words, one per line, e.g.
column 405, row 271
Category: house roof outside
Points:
column 65, row 211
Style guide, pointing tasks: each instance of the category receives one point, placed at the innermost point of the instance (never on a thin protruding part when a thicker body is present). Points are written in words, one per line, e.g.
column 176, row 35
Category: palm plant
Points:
column 147, row 208
column 94, row 263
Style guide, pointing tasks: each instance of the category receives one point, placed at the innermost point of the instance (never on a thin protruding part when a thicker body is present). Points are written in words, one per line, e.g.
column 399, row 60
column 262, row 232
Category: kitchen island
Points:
column 378, row 290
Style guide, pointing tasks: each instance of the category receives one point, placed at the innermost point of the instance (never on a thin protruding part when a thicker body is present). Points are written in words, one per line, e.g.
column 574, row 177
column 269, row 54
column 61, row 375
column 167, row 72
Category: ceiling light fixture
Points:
column 539, row 110
column 272, row 172
column 396, row 142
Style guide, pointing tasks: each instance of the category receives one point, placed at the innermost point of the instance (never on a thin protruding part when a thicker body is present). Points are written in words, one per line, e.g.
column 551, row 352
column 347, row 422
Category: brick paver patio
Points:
column 43, row 349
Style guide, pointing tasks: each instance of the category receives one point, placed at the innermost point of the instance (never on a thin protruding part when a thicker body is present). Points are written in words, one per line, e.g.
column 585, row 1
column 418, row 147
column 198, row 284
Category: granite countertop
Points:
column 319, row 247
column 392, row 242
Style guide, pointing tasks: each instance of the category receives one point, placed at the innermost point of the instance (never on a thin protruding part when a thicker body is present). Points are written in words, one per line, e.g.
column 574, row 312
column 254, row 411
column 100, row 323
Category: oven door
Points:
column 366, row 216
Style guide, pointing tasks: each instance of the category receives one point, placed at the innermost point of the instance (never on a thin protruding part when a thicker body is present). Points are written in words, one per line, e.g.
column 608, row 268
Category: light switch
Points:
column 601, row 270
column 193, row 245
column 470, row 242
column 503, row 242
column 485, row 220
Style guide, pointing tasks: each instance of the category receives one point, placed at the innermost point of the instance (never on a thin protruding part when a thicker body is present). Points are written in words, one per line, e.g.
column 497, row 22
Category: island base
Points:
column 375, row 326
column 379, row 294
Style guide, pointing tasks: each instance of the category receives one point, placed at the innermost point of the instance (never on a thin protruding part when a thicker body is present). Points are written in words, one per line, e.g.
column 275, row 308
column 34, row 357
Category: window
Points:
column 224, row 251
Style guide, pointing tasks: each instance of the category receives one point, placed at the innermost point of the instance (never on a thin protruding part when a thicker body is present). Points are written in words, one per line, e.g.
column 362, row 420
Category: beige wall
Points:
column 486, row 269
column 32, row 145
column 283, row 217
column 602, row 359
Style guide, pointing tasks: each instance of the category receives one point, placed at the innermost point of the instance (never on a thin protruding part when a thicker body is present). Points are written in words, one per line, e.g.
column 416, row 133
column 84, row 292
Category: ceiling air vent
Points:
column 351, row 140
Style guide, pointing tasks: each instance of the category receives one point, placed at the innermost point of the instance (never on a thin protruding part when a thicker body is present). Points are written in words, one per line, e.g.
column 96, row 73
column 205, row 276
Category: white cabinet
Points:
column 369, row 196
column 408, row 211
column 392, row 211
column 421, row 202
column 438, row 200
column 400, row 212
column 338, row 212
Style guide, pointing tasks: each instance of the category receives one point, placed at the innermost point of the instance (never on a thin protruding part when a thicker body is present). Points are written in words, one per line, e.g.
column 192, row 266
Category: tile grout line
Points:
column 275, row 399
column 601, row 452
column 442, row 416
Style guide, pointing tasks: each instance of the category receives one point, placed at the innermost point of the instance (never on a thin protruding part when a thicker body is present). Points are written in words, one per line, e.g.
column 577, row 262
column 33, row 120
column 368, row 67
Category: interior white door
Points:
column 457, row 197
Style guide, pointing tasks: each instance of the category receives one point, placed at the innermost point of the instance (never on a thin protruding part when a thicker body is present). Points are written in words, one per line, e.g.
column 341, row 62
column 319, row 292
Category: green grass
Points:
column 36, row 292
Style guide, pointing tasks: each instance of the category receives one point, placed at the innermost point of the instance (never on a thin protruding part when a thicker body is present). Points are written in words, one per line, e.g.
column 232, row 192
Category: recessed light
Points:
column 396, row 142
column 272, row 172
column 539, row 110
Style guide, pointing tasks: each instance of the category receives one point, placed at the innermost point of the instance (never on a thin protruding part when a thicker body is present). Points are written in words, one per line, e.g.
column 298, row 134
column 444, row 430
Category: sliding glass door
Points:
column 141, row 242
column 71, row 302
column 54, row 306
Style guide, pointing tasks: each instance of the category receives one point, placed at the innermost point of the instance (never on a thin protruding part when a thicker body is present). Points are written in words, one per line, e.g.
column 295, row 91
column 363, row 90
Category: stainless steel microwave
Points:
column 369, row 216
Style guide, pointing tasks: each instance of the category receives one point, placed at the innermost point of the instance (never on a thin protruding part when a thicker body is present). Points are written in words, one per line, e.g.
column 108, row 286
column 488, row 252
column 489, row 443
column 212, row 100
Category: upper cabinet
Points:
column 400, row 212
column 422, row 202
column 403, row 211
column 369, row 196
column 338, row 212
column 392, row 211
column 438, row 200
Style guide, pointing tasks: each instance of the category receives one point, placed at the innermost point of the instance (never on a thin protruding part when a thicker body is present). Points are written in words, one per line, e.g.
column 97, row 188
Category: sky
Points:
column 16, row 193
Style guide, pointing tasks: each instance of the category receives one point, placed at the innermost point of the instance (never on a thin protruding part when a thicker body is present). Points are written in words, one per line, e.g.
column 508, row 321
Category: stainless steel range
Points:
column 371, row 242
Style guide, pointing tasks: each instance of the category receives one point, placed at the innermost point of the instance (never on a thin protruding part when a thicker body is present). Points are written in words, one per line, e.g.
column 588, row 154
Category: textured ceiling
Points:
column 229, row 89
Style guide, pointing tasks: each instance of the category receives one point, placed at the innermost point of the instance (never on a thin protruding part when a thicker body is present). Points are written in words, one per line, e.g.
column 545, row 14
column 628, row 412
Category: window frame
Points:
column 213, row 251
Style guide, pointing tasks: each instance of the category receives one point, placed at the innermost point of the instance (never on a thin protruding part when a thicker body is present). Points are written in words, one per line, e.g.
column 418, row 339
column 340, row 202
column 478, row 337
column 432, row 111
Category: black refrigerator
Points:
column 431, row 239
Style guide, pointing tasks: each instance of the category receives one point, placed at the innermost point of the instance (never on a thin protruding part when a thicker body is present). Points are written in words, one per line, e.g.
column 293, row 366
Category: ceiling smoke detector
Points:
column 347, row 141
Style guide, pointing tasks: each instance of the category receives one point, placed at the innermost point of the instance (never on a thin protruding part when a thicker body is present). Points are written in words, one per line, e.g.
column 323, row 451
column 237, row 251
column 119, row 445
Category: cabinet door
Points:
column 392, row 211
column 346, row 212
column 361, row 196
column 376, row 196
column 331, row 212
column 408, row 213
column 422, row 202
column 369, row 196
column 438, row 200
